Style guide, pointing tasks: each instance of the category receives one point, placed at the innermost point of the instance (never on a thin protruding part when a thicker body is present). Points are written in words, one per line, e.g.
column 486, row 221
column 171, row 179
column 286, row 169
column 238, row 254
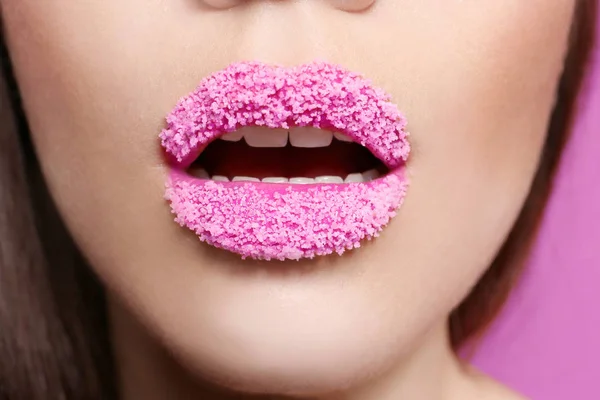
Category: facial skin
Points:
column 476, row 80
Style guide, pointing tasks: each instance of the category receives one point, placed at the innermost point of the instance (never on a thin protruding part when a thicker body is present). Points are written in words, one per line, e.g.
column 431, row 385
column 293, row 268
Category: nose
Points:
column 345, row 5
column 352, row 5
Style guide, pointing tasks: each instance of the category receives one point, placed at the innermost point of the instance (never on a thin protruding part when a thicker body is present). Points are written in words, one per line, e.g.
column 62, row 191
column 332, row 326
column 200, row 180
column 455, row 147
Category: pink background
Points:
column 546, row 344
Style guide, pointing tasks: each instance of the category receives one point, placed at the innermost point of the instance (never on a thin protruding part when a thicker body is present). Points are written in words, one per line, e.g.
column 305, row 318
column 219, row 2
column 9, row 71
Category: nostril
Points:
column 222, row 4
column 353, row 5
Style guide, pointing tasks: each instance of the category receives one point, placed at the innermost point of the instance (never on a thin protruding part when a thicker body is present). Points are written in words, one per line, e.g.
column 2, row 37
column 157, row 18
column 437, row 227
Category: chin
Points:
column 309, row 351
column 294, row 370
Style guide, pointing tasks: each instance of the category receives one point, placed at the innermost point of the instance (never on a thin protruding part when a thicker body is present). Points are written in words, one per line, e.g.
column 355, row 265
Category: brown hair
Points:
column 53, row 328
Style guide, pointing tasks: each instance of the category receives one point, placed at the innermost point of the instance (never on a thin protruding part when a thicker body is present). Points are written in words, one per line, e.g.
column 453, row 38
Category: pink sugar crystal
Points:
column 318, row 94
column 279, row 221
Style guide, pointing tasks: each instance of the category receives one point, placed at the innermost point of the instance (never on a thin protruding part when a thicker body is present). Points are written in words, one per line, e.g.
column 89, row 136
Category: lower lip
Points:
column 269, row 221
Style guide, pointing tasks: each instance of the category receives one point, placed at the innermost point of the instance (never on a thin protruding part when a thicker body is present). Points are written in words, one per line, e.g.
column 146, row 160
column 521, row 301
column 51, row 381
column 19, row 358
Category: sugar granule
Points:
column 279, row 221
column 317, row 94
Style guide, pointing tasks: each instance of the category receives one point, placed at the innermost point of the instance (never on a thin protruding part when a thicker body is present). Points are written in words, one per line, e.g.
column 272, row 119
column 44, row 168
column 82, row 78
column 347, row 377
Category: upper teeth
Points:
column 265, row 137
column 341, row 136
column 310, row 137
column 366, row 176
column 298, row 137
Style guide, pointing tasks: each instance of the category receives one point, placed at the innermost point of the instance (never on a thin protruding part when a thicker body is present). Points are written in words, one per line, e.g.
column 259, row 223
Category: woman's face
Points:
column 475, row 79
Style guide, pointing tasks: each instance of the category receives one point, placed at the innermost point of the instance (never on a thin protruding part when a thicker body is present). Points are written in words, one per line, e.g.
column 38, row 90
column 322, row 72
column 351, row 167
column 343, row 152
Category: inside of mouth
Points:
column 314, row 158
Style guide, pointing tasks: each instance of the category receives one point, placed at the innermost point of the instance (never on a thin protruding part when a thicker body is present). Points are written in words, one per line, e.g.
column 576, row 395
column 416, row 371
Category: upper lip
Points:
column 317, row 94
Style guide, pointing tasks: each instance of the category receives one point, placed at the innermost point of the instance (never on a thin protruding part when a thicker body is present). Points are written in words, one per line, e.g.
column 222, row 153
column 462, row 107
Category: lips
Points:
column 276, row 216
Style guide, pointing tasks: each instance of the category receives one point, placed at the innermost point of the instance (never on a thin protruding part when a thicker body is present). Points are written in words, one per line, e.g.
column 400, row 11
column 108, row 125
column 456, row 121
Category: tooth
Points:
column 370, row 175
column 354, row 178
column 220, row 178
column 245, row 179
column 233, row 136
column 329, row 179
column 275, row 180
column 302, row 181
column 341, row 137
column 263, row 137
column 310, row 137
column 199, row 173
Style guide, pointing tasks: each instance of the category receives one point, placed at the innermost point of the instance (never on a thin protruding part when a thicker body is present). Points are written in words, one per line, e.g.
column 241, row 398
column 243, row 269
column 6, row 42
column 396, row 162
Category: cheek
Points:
column 101, row 77
column 480, row 116
column 478, row 99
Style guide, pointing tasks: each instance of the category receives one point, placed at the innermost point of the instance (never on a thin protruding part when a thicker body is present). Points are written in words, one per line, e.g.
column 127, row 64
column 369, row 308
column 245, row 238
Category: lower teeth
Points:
column 366, row 176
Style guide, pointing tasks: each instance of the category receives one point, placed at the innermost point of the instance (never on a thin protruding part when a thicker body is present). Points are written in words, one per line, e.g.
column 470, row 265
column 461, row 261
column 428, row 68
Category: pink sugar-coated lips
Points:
column 285, row 221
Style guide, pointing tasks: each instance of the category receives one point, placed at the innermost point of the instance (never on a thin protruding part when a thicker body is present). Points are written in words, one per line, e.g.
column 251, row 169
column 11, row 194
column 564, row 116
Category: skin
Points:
column 476, row 80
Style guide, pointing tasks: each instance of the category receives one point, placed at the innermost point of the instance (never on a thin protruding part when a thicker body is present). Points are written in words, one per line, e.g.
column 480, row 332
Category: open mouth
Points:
column 287, row 156
column 284, row 163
